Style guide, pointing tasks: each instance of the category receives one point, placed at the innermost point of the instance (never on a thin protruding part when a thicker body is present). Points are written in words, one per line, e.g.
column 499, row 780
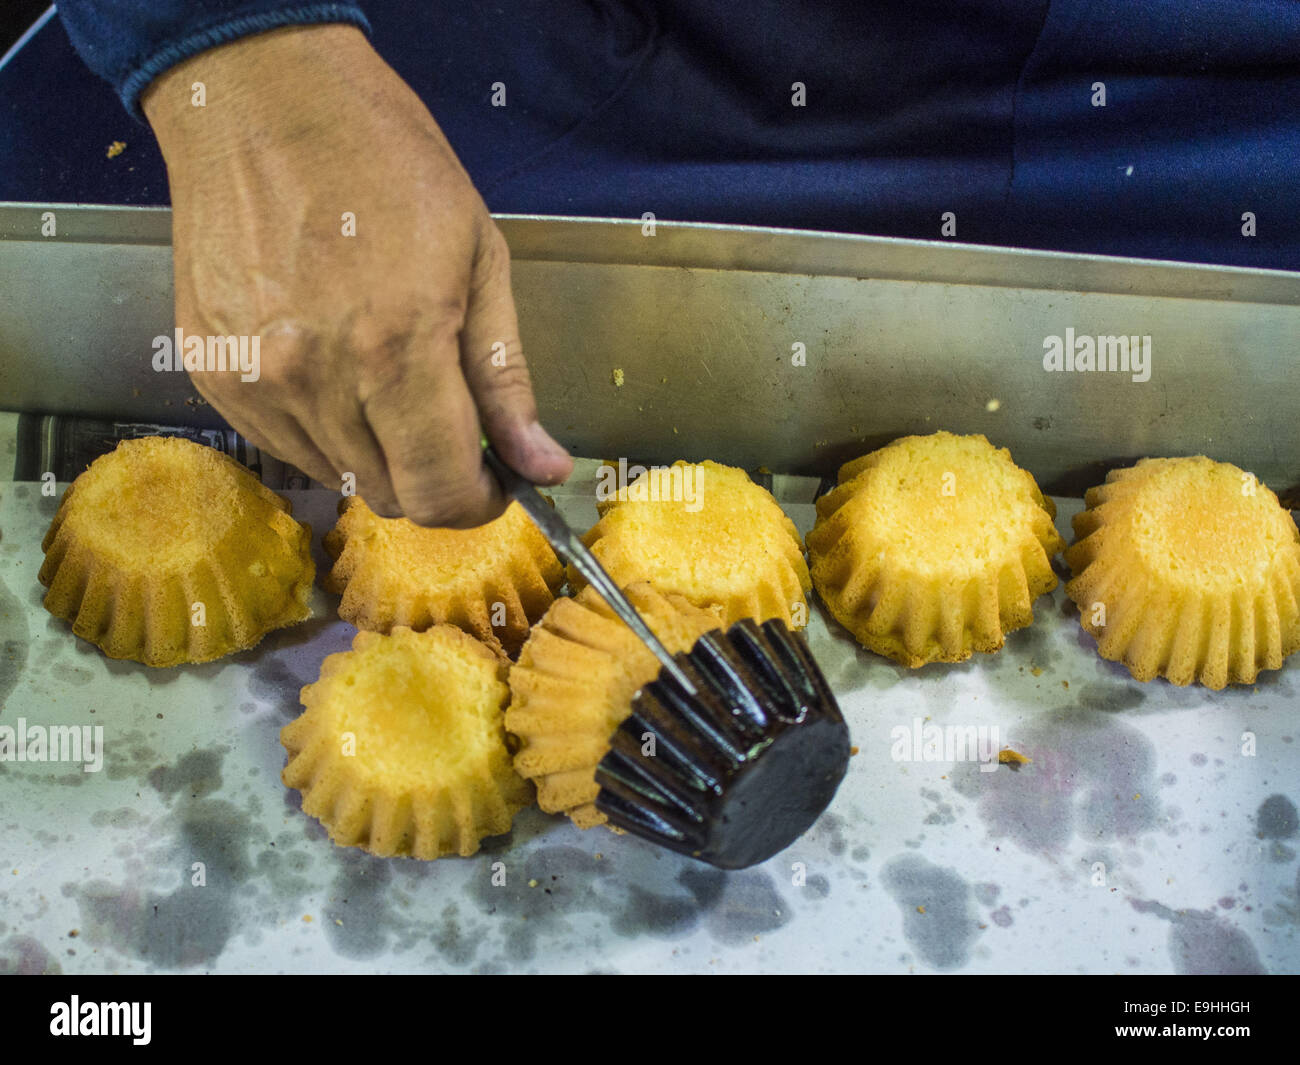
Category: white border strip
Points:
column 32, row 31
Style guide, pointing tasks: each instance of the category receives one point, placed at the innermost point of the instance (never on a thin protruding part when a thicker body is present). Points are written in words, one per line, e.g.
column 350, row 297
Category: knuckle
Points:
column 385, row 506
column 492, row 259
column 508, row 382
column 442, row 513
column 287, row 363
column 387, row 344
column 455, row 503
column 309, row 464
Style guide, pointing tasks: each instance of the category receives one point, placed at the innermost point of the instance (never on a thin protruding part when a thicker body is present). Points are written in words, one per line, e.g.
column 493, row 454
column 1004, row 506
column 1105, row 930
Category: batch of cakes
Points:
column 474, row 684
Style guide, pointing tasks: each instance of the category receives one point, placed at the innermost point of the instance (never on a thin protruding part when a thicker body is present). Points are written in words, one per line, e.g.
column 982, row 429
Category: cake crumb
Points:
column 852, row 751
column 306, row 918
column 1014, row 759
column 532, row 883
column 920, row 909
column 115, row 149
column 1037, row 671
column 992, row 405
column 618, row 378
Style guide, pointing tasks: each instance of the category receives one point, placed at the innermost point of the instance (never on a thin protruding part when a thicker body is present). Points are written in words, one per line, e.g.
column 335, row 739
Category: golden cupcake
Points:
column 1187, row 569
column 708, row 533
column 933, row 547
column 573, row 686
column 401, row 747
column 165, row 551
column 493, row 581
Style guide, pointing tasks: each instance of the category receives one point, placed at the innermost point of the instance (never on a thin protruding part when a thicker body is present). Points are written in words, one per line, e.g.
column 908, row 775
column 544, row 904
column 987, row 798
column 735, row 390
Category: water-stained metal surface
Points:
column 1138, row 838
column 1153, row 828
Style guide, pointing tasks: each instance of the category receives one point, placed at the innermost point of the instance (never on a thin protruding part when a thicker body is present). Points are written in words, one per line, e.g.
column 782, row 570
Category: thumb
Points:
column 492, row 360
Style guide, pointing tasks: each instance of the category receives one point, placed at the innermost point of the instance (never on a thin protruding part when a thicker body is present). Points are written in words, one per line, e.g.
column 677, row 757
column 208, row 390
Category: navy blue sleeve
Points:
column 131, row 42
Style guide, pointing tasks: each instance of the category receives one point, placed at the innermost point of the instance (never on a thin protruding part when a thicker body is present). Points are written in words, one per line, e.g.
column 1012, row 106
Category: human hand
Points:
column 376, row 349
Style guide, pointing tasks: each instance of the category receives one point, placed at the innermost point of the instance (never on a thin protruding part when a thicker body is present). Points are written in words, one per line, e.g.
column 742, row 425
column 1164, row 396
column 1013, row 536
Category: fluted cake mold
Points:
column 735, row 772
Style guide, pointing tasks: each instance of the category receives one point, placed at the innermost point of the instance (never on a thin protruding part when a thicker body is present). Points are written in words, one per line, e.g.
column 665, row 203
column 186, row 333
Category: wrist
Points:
column 272, row 84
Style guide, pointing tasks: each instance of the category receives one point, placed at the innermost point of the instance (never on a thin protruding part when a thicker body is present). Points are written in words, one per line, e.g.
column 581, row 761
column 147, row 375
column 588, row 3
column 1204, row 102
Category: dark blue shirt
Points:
column 1160, row 128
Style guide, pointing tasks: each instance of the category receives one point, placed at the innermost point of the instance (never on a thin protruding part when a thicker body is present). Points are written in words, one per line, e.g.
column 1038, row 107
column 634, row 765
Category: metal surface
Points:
column 897, row 337
column 1144, row 834
column 1140, row 838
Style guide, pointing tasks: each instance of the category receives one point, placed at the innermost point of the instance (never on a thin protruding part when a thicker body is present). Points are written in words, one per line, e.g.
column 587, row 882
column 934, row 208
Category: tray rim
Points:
column 574, row 239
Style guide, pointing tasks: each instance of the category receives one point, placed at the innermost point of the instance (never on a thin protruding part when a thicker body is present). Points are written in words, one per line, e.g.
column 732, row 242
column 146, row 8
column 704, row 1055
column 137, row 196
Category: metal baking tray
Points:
column 1153, row 831
column 899, row 336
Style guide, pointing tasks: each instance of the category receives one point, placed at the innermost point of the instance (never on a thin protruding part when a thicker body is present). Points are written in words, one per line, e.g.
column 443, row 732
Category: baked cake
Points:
column 493, row 581
column 401, row 748
column 1188, row 569
column 573, row 686
column 708, row 533
column 933, row 547
column 165, row 551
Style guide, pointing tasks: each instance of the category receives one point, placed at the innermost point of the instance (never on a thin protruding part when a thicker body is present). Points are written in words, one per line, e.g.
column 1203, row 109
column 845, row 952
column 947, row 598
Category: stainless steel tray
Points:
column 1141, row 838
column 899, row 336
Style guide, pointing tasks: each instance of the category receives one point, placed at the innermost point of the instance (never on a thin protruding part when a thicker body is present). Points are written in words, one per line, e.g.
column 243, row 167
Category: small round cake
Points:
column 708, row 533
column 401, row 748
column 573, row 686
column 165, row 551
column 933, row 547
column 1187, row 569
column 493, row 581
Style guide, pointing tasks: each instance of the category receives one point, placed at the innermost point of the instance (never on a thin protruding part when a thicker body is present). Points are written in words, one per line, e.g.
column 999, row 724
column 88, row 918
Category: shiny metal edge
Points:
column 632, row 242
